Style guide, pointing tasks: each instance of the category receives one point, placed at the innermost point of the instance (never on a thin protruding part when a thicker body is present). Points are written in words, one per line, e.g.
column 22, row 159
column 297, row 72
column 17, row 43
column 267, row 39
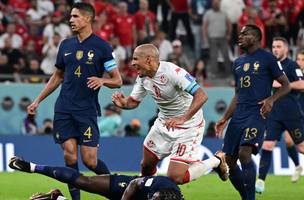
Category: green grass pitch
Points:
column 19, row 186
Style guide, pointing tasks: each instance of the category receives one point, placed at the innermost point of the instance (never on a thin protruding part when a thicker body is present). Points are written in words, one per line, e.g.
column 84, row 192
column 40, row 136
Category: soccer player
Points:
column 254, row 72
column 178, row 130
column 80, row 64
column 287, row 113
column 114, row 187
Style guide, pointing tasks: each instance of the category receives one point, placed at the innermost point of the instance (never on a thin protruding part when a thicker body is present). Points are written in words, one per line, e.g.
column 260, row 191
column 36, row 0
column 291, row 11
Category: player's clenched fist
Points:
column 31, row 109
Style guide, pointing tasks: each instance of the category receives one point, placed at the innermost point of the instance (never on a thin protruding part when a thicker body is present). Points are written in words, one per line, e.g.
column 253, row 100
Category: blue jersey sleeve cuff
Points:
column 110, row 65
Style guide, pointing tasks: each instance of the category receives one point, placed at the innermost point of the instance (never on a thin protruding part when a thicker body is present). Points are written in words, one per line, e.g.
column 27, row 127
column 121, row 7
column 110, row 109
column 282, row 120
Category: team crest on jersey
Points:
column 256, row 67
column 246, row 67
column 90, row 57
column 163, row 79
column 79, row 55
column 150, row 144
column 122, row 184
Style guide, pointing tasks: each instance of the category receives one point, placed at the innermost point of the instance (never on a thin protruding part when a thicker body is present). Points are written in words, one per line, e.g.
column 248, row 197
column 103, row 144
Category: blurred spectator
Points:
column 19, row 5
column 30, row 50
column 133, row 129
column 29, row 126
column 275, row 22
column 128, row 73
column 56, row 26
column 179, row 57
column 164, row 45
column 199, row 71
column 145, row 19
column 102, row 27
column 34, row 72
column 110, row 122
column 47, row 127
column 119, row 52
column 197, row 11
column 45, row 7
column 49, row 52
column 34, row 14
column 179, row 11
column 233, row 9
column 165, row 8
column 11, row 35
column 217, row 32
column 124, row 28
column 300, row 37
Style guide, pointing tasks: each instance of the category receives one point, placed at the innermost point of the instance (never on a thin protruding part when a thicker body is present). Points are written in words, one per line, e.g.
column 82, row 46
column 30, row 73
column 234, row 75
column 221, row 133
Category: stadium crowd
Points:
column 31, row 31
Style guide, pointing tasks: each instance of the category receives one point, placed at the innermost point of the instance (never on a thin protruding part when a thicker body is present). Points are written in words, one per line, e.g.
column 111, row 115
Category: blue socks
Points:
column 63, row 174
column 74, row 192
column 237, row 180
column 100, row 168
column 264, row 163
column 293, row 154
column 249, row 175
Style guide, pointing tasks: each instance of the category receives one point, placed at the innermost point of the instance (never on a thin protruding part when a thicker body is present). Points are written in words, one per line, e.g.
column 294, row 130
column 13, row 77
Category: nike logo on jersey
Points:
column 87, row 140
column 66, row 54
column 238, row 67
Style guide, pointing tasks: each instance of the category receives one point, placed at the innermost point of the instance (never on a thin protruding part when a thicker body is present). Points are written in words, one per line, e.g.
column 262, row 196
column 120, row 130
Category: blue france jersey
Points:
column 254, row 74
column 288, row 107
column 79, row 61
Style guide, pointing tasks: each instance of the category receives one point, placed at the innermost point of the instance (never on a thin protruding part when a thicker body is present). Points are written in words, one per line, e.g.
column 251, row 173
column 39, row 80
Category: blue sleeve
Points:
column 275, row 67
column 59, row 60
column 295, row 72
column 109, row 62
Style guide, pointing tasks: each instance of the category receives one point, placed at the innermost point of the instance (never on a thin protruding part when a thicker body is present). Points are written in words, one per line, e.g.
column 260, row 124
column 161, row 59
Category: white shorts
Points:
column 182, row 144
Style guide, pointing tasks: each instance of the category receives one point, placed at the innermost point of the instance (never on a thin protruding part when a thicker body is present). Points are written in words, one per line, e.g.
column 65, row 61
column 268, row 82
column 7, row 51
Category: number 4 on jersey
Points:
column 77, row 71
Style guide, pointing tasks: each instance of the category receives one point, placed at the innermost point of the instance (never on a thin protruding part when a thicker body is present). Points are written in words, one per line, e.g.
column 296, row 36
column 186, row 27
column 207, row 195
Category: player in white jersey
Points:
column 178, row 130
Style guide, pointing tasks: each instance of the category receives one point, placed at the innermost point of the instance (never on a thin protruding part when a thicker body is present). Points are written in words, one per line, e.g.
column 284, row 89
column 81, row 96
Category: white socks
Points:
column 198, row 169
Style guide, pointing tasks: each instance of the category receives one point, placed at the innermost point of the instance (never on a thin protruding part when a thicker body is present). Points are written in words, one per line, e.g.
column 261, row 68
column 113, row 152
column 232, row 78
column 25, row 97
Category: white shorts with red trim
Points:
column 181, row 145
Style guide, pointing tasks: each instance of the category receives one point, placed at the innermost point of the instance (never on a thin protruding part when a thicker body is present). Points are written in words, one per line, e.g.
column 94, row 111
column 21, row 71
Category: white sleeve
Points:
column 184, row 80
column 139, row 92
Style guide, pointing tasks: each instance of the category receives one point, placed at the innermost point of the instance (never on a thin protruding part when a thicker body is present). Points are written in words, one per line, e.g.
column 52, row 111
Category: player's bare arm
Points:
column 124, row 102
column 268, row 102
column 114, row 81
column 131, row 189
column 295, row 85
column 199, row 98
column 55, row 80
column 222, row 123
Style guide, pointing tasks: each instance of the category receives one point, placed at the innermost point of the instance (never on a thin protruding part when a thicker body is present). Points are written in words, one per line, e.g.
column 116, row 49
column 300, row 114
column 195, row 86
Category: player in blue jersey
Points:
column 254, row 73
column 81, row 63
column 114, row 187
column 287, row 113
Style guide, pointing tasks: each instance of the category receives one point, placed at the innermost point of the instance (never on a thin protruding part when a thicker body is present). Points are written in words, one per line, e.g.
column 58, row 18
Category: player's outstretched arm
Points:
column 222, row 123
column 132, row 189
column 124, row 102
column 51, row 85
column 283, row 90
column 114, row 81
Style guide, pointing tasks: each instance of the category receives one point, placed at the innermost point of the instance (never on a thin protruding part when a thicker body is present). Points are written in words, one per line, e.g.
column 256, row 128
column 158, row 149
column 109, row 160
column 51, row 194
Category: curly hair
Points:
column 170, row 194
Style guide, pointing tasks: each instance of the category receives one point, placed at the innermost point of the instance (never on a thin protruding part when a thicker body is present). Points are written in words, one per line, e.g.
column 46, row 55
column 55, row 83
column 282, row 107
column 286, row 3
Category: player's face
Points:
column 300, row 60
column 279, row 49
column 78, row 21
column 246, row 38
column 139, row 63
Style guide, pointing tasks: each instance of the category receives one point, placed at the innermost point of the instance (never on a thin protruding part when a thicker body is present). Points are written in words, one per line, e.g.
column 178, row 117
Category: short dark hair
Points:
column 170, row 194
column 300, row 51
column 256, row 30
column 279, row 38
column 85, row 7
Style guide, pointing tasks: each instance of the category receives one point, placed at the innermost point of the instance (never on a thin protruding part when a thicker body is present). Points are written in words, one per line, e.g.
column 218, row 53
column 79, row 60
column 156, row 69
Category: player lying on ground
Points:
column 113, row 187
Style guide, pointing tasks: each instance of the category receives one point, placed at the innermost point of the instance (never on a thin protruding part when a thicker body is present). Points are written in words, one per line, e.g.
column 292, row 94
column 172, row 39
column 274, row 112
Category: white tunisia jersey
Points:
column 171, row 88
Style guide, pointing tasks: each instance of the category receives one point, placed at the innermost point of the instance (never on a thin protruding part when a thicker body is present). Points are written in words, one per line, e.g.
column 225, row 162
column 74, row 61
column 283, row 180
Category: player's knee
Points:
column 245, row 154
column 268, row 145
column 70, row 158
column 147, row 169
column 176, row 177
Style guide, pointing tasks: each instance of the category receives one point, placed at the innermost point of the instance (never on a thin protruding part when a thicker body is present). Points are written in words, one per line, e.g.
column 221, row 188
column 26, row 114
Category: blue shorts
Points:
column 118, row 184
column 275, row 129
column 83, row 128
column 247, row 131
